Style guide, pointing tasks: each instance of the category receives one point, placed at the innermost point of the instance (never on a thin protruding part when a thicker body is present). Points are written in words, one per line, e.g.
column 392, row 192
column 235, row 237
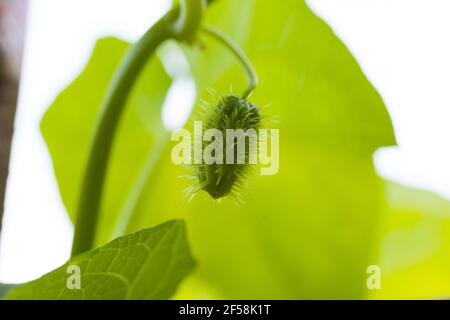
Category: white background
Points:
column 402, row 45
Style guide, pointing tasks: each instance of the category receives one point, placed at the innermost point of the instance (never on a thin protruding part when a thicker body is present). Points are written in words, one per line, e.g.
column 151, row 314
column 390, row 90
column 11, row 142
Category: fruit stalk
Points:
column 226, row 41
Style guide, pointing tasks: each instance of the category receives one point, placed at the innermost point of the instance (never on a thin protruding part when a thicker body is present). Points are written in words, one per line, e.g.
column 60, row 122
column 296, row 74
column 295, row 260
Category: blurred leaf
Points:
column 146, row 265
column 415, row 255
column 308, row 232
column 311, row 230
column 5, row 288
column 68, row 125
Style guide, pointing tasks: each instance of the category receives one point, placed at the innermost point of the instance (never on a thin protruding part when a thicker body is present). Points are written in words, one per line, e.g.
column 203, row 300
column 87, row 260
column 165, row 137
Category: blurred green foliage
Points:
column 310, row 231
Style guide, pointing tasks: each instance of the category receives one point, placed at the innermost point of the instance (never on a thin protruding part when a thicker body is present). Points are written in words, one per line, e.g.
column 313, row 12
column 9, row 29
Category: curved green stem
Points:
column 180, row 24
column 190, row 19
column 238, row 53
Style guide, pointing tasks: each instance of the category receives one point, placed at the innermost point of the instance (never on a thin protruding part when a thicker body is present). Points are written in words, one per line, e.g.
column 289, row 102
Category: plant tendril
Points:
column 225, row 40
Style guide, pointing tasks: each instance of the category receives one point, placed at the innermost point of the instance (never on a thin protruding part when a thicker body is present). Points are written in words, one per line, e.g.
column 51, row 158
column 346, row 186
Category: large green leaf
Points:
column 68, row 125
column 415, row 255
column 308, row 232
column 5, row 288
column 311, row 230
column 145, row 265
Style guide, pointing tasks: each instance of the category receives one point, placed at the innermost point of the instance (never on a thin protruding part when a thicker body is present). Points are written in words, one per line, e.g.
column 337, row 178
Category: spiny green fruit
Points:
column 222, row 179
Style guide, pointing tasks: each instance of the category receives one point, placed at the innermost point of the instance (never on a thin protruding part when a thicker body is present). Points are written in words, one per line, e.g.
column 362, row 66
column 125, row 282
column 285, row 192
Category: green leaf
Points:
column 311, row 230
column 5, row 288
column 68, row 125
column 307, row 232
column 415, row 255
column 148, row 264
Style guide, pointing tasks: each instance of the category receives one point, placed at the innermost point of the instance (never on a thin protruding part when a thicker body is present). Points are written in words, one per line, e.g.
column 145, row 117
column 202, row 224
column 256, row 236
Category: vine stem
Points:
column 225, row 40
column 181, row 23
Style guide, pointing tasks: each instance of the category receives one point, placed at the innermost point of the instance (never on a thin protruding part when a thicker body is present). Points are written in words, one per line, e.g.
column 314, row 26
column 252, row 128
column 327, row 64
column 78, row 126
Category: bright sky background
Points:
column 402, row 46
